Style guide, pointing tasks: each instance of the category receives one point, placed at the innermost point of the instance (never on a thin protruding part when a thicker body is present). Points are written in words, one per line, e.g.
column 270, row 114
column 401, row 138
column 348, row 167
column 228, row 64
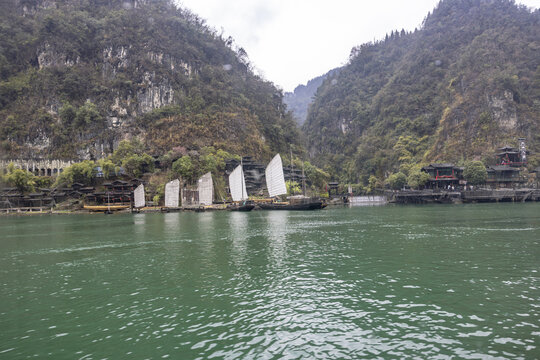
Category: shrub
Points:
column 417, row 179
column 23, row 180
column 475, row 173
column 396, row 181
column 83, row 172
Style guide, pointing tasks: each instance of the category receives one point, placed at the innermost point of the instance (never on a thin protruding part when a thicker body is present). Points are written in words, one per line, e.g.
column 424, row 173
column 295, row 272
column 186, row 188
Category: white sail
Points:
column 138, row 195
column 275, row 180
column 237, row 184
column 206, row 189
column 172, row 190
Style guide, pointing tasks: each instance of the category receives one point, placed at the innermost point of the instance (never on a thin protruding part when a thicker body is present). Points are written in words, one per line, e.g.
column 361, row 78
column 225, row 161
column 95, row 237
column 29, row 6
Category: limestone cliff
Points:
column 78, row 76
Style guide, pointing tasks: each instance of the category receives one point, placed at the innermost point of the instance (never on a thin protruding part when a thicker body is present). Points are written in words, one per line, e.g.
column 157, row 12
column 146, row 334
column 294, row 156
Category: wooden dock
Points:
column 501, row 195
column 469, row 196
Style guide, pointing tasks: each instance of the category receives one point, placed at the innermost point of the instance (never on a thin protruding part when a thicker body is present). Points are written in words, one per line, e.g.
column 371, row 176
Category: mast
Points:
column 303, row 181
column 292, row 173
column 242, row 172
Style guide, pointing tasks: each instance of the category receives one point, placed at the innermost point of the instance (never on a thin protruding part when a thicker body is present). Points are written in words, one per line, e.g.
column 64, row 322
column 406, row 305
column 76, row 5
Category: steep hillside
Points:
column 78, row 76
column 463, row 85
column 299, row 100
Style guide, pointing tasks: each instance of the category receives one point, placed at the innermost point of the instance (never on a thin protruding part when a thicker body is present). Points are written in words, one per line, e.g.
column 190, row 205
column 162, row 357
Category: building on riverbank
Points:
column 511, row 156
column 503, row 176
column 444, row 176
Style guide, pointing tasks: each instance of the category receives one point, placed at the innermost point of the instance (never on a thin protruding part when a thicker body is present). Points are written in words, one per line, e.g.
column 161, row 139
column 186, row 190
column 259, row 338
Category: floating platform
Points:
column 367, row 200
column 470, row 196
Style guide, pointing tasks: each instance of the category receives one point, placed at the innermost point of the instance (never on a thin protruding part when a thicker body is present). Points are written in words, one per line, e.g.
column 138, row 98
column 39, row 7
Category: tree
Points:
column 184, row 168
column 475, row 173
column 417, row 179
column 23, row 180
column 373, row 182
column 397, row 181
column 316, row 176
column 293, row 188
column 67, row 114
column 136, row 165
column 83, row 172
column 107, row 167
column 88, row 114
column 125, row 149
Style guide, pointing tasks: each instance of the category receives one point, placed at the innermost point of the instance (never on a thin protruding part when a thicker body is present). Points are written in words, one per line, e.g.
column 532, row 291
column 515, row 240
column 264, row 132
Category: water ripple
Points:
column 385, row 282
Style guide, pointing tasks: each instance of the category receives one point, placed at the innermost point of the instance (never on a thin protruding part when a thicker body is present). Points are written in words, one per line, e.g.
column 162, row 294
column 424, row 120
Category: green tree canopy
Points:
column 88, row 114
column 397, row 181
column 125, row 149
column 136, row 165
column 83, row 173
column 417, row 179
column 184, row 168
column 23, row 180
column 293, row 188
column 107, row 167
column 475, row 173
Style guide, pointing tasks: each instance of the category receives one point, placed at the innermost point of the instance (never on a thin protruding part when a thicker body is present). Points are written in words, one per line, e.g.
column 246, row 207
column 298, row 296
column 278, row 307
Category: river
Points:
column 433, row 281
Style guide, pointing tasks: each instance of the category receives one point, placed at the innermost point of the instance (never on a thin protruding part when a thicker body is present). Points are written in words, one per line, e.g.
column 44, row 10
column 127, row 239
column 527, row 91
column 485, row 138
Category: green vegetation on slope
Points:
column 463, row 85
column 78, row 76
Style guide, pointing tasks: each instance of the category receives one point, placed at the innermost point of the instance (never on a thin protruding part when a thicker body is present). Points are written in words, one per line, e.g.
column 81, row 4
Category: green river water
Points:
column 426, row 282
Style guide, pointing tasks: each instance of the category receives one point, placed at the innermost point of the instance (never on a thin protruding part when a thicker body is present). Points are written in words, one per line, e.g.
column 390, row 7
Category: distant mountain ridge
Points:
column 299, row 100
column 78, row 76
column 464, row 84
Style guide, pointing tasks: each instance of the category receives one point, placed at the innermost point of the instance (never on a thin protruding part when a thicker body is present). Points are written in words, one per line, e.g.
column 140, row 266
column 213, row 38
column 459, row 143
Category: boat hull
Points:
column 245, row 206
column 105, row 208
column 314, row 205
column 242, row 208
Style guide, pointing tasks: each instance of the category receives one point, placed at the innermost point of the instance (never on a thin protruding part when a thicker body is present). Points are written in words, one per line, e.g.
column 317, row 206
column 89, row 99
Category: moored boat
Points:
column 241, row 206
column 275, row 183
column 237, row 185
column 105, row 208
column 298, row 202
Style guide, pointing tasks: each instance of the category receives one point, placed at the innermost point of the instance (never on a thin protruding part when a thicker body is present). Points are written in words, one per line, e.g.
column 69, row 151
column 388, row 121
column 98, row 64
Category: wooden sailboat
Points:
column 107, row 208
column 172, row 194
column 275, row 183
column 237, row 185
column 205, row 186
column 138, row 197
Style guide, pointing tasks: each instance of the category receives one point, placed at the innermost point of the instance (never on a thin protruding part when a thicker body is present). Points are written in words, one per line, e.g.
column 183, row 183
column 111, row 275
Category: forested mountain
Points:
column 299, row 100
column 78, row 76
column 463, row 85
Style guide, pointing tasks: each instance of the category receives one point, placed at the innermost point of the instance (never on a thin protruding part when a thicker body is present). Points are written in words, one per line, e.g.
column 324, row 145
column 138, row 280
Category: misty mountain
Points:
column 299, row 100
column 463, row 85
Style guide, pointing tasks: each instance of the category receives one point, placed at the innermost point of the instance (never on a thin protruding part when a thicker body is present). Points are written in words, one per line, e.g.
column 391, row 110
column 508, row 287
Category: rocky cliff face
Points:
column 76, row 78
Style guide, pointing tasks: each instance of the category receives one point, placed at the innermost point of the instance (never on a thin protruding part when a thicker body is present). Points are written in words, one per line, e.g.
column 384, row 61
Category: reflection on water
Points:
column 171, row 223
column 239, row 232
column 277, row 234
column 139, row 220
column 363, row 282
column 205, row 222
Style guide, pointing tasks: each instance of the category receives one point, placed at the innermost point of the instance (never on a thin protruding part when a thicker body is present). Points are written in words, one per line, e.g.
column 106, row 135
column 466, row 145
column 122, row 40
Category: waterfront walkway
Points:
column 452, row 196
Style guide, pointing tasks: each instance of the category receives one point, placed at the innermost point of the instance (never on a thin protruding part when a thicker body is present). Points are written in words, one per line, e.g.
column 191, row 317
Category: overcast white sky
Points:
column 292, row 41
